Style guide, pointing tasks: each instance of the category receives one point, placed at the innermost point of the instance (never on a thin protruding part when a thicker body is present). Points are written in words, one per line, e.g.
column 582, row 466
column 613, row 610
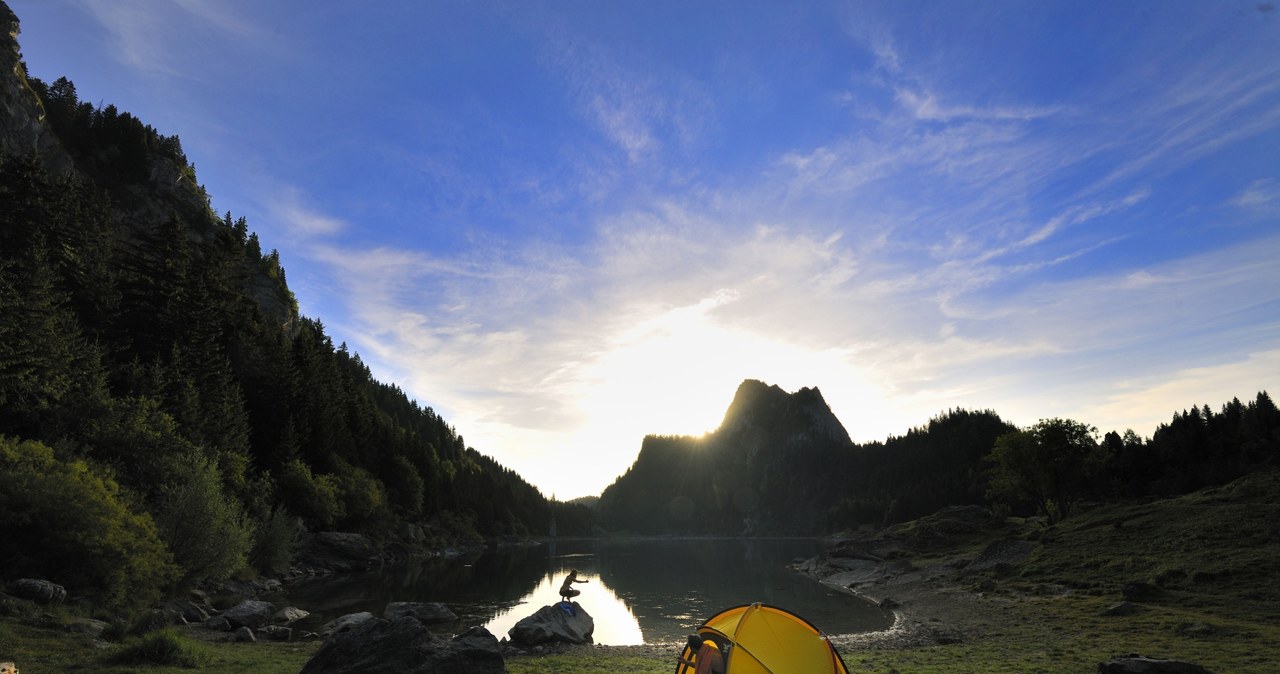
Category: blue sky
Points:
column 566, row 225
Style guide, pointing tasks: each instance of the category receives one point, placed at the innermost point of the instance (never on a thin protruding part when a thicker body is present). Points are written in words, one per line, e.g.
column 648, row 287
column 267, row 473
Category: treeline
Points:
column 758, row 474
column 154, row 367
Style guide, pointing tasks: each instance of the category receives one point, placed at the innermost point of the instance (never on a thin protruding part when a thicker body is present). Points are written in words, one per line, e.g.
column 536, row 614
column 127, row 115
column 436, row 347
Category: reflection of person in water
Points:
column 706, row 658
column 567, row 591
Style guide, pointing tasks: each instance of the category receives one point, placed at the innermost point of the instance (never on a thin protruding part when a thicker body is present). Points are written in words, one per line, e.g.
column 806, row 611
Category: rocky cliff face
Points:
column 167, row 185
column 770, row 467
column 22, row 120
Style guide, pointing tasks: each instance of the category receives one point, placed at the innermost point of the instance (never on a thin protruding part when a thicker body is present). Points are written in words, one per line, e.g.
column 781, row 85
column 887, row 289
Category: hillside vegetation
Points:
column 152, row 360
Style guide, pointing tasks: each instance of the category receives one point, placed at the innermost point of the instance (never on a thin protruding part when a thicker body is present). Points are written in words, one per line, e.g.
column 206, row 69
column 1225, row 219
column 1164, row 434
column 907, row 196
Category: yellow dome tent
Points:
column 762, row 639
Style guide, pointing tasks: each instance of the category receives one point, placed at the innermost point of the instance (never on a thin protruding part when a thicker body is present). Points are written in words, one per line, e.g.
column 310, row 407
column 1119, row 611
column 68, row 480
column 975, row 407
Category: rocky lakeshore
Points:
column 1176, row 585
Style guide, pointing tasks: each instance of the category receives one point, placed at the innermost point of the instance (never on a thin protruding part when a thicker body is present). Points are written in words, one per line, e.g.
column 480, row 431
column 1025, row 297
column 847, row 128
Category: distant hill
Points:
column 783, row 463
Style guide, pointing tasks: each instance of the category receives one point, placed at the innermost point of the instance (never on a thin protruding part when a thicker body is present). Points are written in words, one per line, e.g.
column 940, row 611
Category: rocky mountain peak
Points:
column 757, row 405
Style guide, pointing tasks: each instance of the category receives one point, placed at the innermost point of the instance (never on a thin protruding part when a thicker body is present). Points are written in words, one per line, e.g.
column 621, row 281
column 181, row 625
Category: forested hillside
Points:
column 782, row 463
column 165, row 413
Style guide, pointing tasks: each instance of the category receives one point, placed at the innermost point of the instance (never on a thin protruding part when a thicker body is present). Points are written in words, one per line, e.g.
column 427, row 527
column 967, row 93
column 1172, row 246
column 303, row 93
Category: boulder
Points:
column 190, row 611
column 243, row 634
column 89, row 626
column 1137, row 664
column 250, row 613
column 39, row 591
column 289, row 615
column 567, row 622
column 406, row 646
column 218, row 623
column 275, row 633
column 346, row 622
column 427, row 612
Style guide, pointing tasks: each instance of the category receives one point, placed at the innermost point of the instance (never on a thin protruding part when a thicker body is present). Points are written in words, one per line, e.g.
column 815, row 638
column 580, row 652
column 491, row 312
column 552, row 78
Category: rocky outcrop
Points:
column 24, row 131
column 250, row 613
column 406, row 646
column 39, row 591
column 337, row 552
column 562, row 622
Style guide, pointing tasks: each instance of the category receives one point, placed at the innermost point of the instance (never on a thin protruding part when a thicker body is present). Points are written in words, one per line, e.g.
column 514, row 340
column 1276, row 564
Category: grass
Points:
column 590, row 664
column 48, row 648
column 1213, row 559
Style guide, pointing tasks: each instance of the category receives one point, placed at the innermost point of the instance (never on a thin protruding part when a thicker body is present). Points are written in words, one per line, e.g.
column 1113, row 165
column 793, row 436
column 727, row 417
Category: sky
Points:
column 567, row 225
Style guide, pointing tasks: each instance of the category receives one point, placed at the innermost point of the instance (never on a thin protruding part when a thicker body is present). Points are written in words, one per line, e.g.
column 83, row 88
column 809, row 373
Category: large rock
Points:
column 346, row 622
column 406, row 646
column 39, row 591
column 338, row 552
column 427, row 612
column 565, row 622
column 1137, row 664
column 250, row 613
column 289, row 615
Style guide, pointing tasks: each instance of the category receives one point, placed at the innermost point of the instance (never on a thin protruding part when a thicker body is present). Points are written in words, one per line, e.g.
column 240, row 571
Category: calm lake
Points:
column 639, row 590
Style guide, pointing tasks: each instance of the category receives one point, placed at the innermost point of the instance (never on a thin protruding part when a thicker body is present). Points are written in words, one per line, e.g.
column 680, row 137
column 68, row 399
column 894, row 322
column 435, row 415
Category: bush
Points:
column 206, row 529
column 277, row 541
column 66, row 522
column 161, row 648
column 315, row 498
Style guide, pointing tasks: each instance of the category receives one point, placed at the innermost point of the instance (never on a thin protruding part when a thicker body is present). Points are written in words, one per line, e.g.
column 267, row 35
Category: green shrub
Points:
column 314, row 497
column 277, row 541
column 162, row 648
column 67, row 522
column 206, row 529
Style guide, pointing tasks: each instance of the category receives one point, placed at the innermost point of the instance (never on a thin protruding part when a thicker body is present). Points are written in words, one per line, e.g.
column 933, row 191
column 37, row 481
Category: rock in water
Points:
column 406, row 646
column 567, row 622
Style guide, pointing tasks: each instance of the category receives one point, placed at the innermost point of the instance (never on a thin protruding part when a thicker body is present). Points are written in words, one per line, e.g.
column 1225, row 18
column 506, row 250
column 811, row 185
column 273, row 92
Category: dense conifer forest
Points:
column 166, row 414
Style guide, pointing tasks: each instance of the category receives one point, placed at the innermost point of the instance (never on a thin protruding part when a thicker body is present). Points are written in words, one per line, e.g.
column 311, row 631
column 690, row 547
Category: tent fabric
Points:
column 763, row 639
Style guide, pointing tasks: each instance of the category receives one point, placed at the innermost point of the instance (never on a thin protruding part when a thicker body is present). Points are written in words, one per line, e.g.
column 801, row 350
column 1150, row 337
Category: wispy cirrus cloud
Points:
column 174, row 38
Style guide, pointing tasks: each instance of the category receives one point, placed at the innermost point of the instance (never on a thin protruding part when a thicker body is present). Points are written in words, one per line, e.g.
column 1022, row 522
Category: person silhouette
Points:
column 567, row 591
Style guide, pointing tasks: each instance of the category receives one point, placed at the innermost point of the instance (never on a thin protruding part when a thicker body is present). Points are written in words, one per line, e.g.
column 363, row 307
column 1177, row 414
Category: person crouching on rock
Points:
column 567, row 590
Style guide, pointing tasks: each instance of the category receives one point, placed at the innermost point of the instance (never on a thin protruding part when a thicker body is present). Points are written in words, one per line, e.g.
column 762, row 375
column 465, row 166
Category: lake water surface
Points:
column 639, row 590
